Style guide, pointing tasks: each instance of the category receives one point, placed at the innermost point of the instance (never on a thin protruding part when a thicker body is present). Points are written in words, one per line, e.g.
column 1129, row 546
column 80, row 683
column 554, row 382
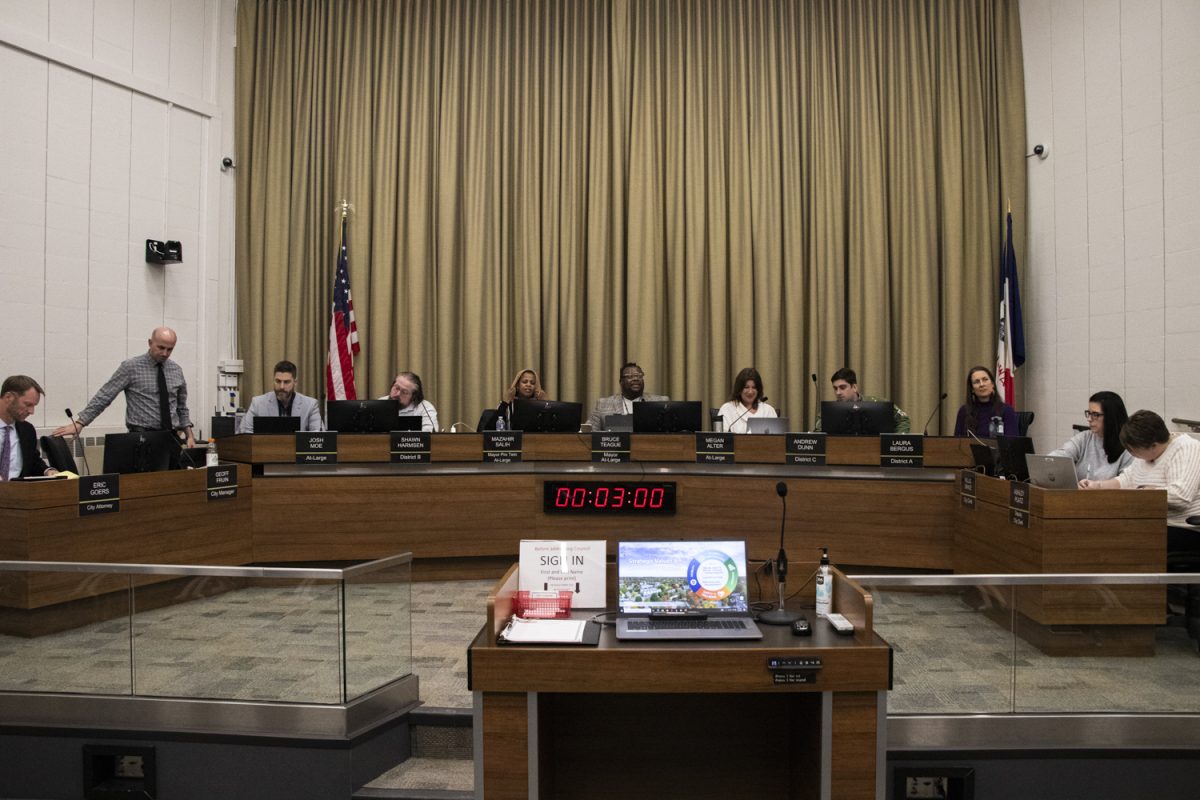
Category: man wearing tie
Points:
column 155, row 392
column 19, row 396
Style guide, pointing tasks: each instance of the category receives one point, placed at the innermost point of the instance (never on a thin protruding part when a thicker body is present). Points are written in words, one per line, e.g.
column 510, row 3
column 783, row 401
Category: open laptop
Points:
column 618, row 422
column 1052, row 472
column 777, row 425
column 683, row 590
column 276, row 424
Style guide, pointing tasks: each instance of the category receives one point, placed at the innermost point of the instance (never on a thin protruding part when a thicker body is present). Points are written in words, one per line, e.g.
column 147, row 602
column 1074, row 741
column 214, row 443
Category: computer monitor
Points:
column 545, row 416
column 275, row 424
column 667, row 416
column 1013, row 450
column 857, row 417
column 143, row 451
column 364, row 416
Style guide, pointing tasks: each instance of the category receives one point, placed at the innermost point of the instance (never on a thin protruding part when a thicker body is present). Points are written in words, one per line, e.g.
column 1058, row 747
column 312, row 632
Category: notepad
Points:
column 544, row 631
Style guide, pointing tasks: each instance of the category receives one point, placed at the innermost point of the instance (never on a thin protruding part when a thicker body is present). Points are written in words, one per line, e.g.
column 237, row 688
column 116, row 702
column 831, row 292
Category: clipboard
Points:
column 553, row 632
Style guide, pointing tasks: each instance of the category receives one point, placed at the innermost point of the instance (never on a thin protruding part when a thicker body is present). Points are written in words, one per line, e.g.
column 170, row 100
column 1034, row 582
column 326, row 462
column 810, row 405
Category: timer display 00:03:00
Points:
column 608, row 497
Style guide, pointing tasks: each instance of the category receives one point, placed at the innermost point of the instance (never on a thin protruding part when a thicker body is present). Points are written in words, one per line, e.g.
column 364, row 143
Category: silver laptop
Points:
column 1052, row 472
column 618, row 422
column 683, row 590
column 778, row 425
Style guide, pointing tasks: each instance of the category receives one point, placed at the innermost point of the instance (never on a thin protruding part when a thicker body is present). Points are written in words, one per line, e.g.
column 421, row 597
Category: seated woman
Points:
column 982, row 404
column 746, row 403
column 1097, row 452
column 525, row 386
column 408, row 391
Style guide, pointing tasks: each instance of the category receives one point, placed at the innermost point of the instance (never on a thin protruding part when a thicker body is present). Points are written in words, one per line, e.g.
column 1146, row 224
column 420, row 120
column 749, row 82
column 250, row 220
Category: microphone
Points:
column 817, row 398
column 82, row 449
column 780, row 615
column 425, row 411
column 935, row 410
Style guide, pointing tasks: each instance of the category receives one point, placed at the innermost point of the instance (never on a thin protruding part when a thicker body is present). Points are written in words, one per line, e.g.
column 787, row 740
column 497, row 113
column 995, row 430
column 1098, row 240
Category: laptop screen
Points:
column 681, row 576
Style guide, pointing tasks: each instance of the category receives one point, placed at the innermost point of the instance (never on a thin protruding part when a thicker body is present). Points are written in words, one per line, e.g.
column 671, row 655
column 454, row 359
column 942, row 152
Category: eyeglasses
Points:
column 628, row 376
column 1093, row 414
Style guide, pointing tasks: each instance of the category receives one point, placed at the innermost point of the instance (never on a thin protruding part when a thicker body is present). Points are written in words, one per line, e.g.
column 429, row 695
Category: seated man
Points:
column 845, row 387
column 408, row 391
column 285, row 401
column 19, row 458
column 633, row 383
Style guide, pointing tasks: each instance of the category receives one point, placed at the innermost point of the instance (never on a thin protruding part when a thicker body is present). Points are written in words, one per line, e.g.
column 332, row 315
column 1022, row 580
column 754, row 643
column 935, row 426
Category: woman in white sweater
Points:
column 747, row 402
column 1097, row 452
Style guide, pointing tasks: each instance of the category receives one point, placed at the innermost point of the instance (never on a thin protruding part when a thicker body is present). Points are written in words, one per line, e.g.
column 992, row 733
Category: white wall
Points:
column 1112, row 275
column 114, row 115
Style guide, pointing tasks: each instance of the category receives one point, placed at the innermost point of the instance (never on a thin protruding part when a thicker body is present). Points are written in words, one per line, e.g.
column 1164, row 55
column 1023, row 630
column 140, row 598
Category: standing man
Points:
column 19, row 396
column 285, row 401
column 633, row 383
column 845, row 387
column 155, row 392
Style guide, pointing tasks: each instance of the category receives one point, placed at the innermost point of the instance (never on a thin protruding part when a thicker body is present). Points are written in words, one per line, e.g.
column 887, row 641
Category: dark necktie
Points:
column 164, row 404
column 5, row 453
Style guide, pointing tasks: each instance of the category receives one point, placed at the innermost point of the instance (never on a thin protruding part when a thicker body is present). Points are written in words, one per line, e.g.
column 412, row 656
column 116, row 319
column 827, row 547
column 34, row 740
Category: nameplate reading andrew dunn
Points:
column 804, row 448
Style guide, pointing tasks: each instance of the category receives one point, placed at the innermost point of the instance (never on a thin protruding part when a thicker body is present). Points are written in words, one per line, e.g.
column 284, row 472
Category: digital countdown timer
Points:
column 608, row 497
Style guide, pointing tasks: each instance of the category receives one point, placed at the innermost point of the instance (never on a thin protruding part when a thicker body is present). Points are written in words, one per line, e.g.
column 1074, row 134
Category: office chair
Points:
column 58, row 453
column 713, row 415
column 1186, row 596
column 1024, row 420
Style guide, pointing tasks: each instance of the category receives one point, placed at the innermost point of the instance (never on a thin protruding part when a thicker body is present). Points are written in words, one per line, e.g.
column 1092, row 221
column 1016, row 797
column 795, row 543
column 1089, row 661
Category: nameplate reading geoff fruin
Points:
column 804, row 448
column 99, row 494
column 901, row 450
column 222, row 482
column 611, row 447
column 411, row 447
column 502, row 447
column 316, row 447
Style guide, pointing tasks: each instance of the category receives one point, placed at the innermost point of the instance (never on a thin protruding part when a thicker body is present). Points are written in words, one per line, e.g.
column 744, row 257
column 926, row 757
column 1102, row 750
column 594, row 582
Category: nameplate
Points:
column 502, row 447
column 967, row 500
column 1018, row 495
column 714, row 448
column 1018, row 517
column 410, row 447
column 99, row 494
column 611, row 447
column 221, row 482
column 316, row 447
column 901, row 450
column 804, row 448
column 967, row 481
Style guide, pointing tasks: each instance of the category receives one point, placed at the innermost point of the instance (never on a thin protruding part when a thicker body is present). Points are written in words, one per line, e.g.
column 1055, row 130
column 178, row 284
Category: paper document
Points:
column 546, row 631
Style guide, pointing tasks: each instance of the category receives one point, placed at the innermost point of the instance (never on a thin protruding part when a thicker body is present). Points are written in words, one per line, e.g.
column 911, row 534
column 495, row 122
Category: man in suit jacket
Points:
column 285, row 401
column 633, row 383
column 19, row 457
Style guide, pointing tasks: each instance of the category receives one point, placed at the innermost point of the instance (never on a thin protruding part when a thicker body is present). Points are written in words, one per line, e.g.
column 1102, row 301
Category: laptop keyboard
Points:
column 686, row 624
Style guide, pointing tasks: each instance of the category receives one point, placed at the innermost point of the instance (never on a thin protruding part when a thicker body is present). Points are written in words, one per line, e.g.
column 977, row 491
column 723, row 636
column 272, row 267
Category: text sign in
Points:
column 502, row 447
column 316, row 447
column 411, row 447
column 804, row 448
column 99, row 494
column 714, row 448
column 221, row 482
column 611, row 447
column 901, row 450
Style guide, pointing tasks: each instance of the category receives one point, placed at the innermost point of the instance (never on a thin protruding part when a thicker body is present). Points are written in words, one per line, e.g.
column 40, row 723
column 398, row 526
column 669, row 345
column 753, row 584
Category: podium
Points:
column 681, row 719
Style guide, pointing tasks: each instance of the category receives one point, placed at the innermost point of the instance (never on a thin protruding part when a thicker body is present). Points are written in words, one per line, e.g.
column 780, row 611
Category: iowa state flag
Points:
column 1010, row 347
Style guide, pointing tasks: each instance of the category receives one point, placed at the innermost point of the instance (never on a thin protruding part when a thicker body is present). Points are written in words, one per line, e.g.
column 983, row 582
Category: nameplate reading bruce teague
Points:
column 221, row 482
column 99, row 494
column 611, row 447
column 804, row 448
column 901, row 450
column 714, row 448
column 316, row 447
column 411, row 447
column 502, row 447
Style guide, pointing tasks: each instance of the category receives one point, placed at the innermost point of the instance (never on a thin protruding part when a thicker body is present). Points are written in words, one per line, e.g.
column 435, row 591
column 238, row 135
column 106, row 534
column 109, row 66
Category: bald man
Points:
column 155, row 392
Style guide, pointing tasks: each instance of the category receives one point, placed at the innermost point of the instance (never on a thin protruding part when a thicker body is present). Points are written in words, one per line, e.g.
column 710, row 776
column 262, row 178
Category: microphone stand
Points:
column 780, row 615
column 936, row 408
column 78, row 438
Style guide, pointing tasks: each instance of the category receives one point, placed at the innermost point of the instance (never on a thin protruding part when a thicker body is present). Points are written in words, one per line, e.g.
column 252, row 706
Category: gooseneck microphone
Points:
column 935, row 411
column 429, row 417
column 780, row 615
column 816, row 400
column 82, row 449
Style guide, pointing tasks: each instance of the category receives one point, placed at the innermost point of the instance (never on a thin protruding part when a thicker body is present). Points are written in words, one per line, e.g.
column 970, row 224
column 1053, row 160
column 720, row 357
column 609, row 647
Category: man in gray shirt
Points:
column 285, row 401
column 633, row 384
column 155, row 392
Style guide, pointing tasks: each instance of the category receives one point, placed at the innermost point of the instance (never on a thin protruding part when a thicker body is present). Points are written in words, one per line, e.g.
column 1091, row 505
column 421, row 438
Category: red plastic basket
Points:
column 529, row 606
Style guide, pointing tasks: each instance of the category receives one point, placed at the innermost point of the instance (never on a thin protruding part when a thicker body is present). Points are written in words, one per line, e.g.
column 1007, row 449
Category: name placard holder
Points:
column 966, row 488
column 714, row 448
column 804, row 448
column 611, row 447
column 99, row 494
column 502, row 447
column 411, row 447
column 316, row 447
column 221, row 482
column 901, row 450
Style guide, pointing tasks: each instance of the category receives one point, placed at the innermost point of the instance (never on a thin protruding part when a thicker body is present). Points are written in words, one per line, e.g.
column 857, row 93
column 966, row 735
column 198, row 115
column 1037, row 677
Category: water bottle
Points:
column 210, row 455
column 824, row 585
column 501, row 425
column 996, row 426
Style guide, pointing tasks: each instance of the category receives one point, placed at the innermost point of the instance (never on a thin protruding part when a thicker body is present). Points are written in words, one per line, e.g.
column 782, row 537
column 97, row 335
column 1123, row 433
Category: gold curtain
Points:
column 695, row 185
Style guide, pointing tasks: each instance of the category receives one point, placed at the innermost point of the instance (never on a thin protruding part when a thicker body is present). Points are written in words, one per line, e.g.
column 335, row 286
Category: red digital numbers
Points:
column 562, row 498
column 609, row 497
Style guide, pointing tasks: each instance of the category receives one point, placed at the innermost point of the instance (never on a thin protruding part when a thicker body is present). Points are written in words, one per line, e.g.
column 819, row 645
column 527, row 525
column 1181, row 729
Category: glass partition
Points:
column 377, row 624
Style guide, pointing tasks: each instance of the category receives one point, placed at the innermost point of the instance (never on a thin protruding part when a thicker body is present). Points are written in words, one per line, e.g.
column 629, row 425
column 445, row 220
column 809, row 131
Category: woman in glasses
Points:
column 1097, row 452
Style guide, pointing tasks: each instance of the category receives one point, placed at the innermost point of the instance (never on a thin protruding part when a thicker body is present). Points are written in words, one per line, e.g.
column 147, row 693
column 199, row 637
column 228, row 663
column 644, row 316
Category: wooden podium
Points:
column 681, row 719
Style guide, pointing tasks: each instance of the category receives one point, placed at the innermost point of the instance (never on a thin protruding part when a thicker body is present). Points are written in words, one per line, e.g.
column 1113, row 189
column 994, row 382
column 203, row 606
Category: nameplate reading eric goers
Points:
column 99, row 494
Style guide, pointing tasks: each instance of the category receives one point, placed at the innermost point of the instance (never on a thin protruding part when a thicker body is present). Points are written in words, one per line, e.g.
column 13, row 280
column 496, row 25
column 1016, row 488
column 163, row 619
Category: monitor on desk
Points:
column 275, row 424
column 857, row 417
column 142, row 451
column 366, row 416
column 667, row 416
column 1013, row 450
column 546, row 416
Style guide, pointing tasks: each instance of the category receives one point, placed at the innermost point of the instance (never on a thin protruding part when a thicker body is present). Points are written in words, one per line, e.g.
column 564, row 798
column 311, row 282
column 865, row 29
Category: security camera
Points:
column 1037, row 150
column 226, row 163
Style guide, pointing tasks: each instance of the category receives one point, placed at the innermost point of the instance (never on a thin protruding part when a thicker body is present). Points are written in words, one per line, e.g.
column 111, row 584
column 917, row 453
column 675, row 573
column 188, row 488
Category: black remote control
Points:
column 800, row 627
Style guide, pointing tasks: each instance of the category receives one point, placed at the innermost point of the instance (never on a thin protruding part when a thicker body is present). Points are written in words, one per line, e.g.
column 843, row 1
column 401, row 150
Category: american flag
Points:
column 1010, row 344
column 343, row 333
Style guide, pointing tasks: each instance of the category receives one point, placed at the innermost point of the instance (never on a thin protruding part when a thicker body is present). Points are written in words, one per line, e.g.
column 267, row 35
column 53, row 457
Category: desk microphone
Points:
column 816, row 398
column 82, row 449
column 780, row 615
column 935, row 410
column 425, row 411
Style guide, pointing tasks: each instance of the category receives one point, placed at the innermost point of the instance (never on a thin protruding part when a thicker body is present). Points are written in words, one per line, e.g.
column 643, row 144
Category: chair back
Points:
column 1024, row 420
column 58, row 453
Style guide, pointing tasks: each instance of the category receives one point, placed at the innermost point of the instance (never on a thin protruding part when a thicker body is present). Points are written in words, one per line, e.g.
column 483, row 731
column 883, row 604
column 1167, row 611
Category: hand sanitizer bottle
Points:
column 210, row 456
column 824, row 585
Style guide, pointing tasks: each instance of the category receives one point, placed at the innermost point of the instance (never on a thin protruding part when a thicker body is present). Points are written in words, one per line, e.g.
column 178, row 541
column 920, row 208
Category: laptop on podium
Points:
column 683, row 590
column 1052, row 472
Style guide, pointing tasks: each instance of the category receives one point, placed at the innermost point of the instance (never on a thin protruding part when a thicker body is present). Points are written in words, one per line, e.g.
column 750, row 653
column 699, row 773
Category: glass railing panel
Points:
column 1104, row 648
column 238, row 638
column 65, row 632
column 378, row 625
